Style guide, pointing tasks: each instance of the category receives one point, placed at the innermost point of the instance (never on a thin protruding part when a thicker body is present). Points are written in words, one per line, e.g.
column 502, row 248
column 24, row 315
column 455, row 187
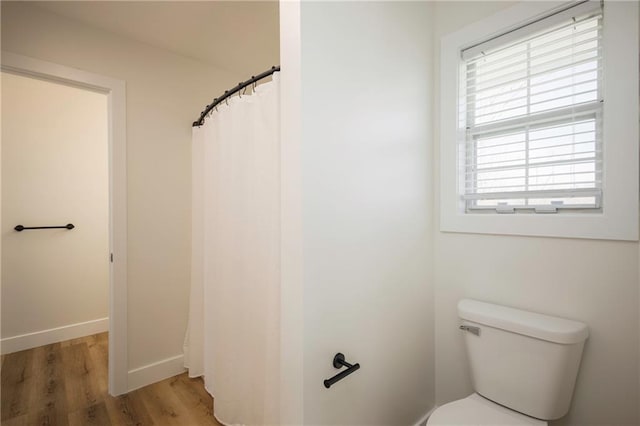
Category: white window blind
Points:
column 531, row 107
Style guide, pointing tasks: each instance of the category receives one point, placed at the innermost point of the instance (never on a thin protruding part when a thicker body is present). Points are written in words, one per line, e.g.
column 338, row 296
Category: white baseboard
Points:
column 53, row 335
column 152, row 373
column 423, row 420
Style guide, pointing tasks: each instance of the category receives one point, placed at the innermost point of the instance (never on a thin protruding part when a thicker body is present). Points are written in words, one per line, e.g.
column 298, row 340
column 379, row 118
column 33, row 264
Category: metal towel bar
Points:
column 21, row 228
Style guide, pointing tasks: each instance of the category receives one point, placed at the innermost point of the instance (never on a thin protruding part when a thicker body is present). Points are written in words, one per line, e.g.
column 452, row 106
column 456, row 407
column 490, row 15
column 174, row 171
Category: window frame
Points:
column 526, row 122
column 618, row 217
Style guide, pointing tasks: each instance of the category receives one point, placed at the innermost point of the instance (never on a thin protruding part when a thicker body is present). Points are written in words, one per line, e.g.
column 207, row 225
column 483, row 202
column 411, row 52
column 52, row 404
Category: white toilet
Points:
column 523, row 365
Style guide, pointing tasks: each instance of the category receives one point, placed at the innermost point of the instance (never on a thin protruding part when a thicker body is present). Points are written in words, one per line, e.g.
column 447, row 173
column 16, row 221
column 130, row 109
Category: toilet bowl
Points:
column 478, row 411
column 523, row 366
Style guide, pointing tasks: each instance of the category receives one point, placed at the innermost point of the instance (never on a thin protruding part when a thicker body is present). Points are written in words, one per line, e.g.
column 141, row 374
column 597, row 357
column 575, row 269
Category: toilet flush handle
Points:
column 471, row 329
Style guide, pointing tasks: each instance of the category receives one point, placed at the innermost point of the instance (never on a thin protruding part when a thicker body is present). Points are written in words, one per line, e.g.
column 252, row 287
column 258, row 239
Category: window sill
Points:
column 564, row 225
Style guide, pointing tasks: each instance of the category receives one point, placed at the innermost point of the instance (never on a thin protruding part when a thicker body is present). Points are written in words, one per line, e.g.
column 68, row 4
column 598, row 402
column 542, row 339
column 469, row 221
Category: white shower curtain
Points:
column 233, row 334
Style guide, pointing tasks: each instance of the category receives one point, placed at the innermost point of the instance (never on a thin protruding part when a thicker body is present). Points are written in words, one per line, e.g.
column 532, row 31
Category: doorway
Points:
column 55, row 213
column 97, row 189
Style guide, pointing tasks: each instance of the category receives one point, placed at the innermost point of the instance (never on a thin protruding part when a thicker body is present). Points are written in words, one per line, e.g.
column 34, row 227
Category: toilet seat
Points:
column 478, row 411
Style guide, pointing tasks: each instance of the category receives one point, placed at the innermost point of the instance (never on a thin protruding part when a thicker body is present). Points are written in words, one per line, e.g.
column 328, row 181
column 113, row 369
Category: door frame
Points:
column 117, row 140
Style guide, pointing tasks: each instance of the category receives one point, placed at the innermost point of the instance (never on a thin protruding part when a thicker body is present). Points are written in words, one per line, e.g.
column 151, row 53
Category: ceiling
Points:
column 240, row 36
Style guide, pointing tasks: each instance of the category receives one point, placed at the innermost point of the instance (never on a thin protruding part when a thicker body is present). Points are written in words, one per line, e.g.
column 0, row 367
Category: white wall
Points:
column 54, row 171
column 587, row 280
column 291, row 283
column 165, row 93
column 366, row 178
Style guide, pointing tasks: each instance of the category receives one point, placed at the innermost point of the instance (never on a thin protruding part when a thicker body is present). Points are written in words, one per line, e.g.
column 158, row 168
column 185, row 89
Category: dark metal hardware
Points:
column 338, row 362
column 228, row 93
column 21, row 228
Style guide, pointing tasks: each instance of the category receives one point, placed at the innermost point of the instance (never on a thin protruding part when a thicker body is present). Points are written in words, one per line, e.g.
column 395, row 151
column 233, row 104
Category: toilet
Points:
column 523, row 366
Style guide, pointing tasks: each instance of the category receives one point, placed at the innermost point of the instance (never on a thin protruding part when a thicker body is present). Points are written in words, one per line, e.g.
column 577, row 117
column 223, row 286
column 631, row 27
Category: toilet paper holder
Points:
column 338, row 362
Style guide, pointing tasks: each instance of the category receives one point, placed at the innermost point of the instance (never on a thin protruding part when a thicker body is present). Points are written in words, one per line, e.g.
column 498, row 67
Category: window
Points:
column 532, row 111
column 539, row 114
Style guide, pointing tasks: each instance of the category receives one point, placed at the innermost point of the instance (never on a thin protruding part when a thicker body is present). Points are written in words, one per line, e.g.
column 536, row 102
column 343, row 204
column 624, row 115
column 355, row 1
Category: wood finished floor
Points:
column 66, row 384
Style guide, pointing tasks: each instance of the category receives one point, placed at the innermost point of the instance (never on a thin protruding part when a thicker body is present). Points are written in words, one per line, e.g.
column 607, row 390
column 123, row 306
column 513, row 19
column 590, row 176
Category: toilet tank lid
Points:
column 545, row 327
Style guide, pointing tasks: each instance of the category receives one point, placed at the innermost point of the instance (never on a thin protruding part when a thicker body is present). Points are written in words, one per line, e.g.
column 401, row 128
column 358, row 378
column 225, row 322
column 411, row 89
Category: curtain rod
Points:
column 228, row 93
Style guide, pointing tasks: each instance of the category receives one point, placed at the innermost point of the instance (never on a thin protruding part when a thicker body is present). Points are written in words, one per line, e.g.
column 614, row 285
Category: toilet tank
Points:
column 523, row 360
